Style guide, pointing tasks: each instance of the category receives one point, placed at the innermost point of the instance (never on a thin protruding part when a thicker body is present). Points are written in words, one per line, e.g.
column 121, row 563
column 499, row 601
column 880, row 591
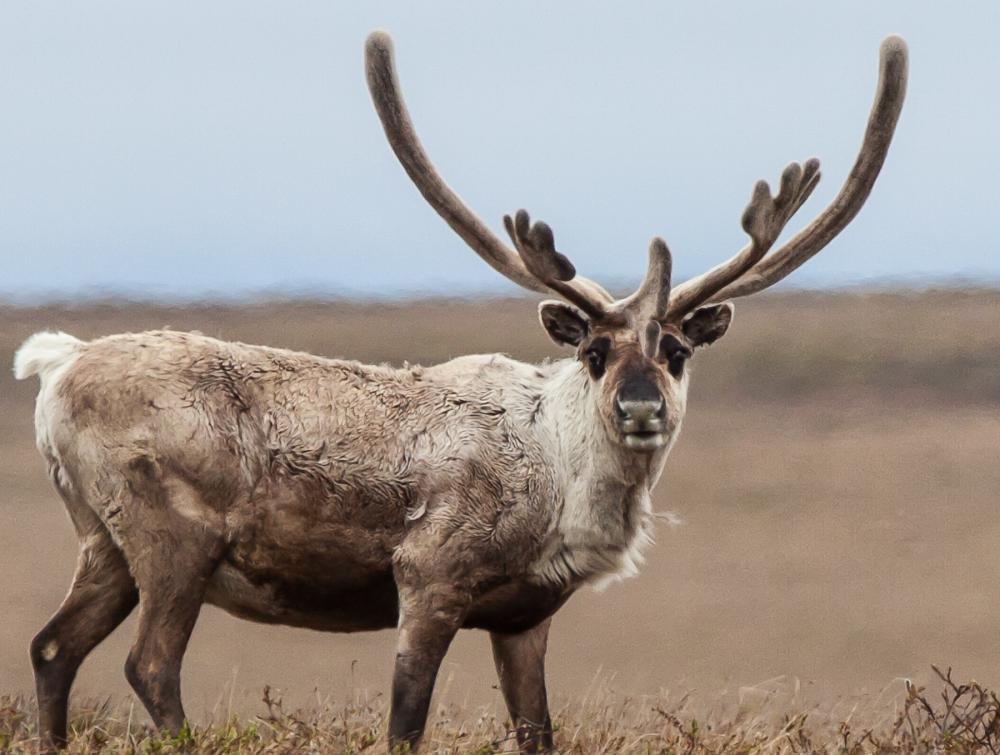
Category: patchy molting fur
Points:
column 288, row 488
column 221, row 427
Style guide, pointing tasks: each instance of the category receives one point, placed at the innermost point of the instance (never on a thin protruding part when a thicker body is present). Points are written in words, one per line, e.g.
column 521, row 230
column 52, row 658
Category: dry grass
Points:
column 838, row 479
column 956, row 718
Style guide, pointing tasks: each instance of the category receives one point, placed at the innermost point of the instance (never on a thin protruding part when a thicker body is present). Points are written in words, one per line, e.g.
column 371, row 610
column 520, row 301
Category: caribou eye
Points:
column 596, row 357
column 674, row 353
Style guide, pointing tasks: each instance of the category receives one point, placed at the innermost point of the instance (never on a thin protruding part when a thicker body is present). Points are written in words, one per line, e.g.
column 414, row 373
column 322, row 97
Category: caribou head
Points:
column 635, row 348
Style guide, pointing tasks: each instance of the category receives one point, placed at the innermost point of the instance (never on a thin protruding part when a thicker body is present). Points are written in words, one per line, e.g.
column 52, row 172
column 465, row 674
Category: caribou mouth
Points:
column 645, row 440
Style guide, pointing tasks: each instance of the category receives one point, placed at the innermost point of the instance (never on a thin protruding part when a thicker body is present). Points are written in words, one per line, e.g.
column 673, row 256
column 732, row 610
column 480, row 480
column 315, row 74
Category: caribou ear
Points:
column 565, row 325
column 708, row 324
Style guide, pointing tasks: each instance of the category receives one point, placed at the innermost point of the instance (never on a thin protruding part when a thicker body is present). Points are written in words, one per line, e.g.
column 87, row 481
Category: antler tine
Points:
column 535, row 243
column 842, row 210
column 651, row 300
column 384, row 87
column 763, row 220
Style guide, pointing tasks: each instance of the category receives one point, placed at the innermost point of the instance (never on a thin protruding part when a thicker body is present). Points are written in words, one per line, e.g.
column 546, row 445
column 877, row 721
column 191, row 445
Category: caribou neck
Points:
column 603, row 515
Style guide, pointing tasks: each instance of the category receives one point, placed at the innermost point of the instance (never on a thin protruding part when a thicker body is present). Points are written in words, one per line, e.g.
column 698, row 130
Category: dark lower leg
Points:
column 102, row 595
column 520, row 662
column 412, row 688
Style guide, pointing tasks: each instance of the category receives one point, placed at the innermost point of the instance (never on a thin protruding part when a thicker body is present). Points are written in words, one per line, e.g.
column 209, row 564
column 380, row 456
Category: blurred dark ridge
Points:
column 803, row 282
column 940, row 345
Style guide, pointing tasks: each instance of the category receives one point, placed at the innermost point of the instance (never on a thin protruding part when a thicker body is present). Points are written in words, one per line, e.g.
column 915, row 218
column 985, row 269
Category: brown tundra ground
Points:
column 839, row 486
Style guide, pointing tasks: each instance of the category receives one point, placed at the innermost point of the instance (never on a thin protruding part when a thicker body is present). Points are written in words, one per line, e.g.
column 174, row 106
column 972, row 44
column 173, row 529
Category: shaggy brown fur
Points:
column 293, row 489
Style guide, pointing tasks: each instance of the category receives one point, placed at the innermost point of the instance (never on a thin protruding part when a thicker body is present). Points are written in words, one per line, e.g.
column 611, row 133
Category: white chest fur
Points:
column 603, row 515
column 599, row 536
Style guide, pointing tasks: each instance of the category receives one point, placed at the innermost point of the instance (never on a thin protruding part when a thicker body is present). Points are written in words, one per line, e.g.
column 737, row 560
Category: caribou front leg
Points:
column 430, row 615
column 520, row 662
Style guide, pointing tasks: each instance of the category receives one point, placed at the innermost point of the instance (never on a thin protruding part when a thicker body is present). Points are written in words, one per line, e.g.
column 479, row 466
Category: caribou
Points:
column 478, row 493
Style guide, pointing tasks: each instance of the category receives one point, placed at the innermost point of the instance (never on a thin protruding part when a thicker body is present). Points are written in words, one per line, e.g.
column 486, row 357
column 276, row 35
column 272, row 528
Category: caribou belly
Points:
column 508, row 608
column 323, row 605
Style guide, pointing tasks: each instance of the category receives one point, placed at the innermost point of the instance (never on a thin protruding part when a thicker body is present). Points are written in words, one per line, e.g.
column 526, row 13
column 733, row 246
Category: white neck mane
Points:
column 604, row 517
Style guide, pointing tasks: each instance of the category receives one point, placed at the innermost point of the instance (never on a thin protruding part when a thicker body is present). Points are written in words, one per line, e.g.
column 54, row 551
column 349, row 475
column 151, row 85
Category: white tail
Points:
column 44, row 352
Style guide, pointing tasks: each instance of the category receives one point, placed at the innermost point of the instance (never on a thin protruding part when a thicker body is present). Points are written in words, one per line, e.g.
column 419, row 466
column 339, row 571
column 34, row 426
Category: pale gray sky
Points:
column 191, row 149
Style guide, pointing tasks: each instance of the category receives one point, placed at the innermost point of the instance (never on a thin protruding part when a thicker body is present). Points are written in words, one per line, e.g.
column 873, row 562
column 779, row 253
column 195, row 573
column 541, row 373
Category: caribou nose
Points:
column 640, row 411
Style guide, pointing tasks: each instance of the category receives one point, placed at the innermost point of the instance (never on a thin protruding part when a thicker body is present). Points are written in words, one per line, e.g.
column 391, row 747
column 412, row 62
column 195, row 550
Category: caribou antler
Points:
column 537, row 266
column 767, row 271
column 385, row 92
column 535, row 243
column 763, row 221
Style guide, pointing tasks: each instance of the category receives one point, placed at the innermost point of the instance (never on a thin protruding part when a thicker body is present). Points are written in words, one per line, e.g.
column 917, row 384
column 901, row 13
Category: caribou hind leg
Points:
column 168, row 610
column 101, row 596
column 173, row 544
column 520, row 662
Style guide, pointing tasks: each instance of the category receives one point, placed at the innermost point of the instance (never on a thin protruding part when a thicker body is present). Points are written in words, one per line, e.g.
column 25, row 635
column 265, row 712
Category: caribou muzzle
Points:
column 641, row 415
